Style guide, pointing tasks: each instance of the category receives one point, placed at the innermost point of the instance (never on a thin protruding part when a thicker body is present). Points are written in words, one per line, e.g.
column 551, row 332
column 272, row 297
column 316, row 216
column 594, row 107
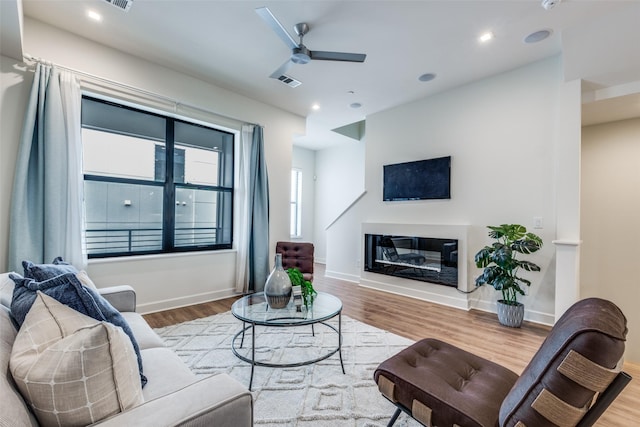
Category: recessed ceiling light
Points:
column 93, row 15
column 315, row 107
column 486, row 37
column 537, row 36
column 355, row 105
column 427, row 77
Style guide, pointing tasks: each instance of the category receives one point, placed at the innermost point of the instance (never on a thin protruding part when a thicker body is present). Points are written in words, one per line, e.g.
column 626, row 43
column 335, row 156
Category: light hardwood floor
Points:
column 475, row 331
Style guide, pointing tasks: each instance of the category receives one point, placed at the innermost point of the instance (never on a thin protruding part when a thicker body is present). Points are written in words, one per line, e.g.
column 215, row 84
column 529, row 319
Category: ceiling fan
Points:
column 300, row 54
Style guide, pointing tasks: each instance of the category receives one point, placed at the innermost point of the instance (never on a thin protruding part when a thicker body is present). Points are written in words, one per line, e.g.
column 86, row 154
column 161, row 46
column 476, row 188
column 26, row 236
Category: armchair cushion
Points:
column 443, row 385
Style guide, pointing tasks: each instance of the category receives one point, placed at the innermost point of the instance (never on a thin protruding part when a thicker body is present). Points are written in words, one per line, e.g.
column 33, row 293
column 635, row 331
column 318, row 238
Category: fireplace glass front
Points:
column 418, row 258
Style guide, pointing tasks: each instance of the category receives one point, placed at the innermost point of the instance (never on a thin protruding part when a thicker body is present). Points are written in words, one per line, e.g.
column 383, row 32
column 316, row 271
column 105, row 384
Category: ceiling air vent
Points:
column 289, row 81
column 121, row 4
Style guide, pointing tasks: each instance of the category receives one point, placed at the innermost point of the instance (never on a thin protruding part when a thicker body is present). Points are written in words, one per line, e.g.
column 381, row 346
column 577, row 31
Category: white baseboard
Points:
column 438, row 298
column 341, row 276
column 168, row 304
column 529, row 315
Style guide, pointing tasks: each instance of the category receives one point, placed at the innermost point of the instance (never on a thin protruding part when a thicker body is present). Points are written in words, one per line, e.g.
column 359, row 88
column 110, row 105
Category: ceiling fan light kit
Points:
column 300, row 54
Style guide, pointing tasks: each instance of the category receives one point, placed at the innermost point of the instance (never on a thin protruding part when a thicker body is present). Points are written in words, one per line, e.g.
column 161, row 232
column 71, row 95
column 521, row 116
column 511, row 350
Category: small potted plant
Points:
column 297, row 279
column 501, row 268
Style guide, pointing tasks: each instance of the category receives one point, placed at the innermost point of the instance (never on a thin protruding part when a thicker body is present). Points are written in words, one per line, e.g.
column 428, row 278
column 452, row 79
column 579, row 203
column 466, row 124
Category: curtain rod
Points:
column 154, row 96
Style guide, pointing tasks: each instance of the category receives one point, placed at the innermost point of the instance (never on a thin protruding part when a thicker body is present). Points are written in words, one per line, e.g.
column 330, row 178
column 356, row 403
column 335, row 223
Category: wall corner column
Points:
column 568, row 149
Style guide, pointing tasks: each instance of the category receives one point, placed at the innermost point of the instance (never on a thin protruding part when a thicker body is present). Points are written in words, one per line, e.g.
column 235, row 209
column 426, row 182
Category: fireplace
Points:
column 433, row 260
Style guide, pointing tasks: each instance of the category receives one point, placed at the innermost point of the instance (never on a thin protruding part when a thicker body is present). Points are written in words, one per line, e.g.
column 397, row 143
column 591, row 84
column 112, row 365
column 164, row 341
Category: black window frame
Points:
column 169, row 187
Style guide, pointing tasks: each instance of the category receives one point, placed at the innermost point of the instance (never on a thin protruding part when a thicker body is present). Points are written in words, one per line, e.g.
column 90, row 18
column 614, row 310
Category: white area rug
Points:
column 314, row 395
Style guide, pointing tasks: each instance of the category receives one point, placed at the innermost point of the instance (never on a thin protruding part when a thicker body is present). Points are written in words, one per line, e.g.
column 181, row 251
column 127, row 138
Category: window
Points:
column 152, row 183
column 296, row 203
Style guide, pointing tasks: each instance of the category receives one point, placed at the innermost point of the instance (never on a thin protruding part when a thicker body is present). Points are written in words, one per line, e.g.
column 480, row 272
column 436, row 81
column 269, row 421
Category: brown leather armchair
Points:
column 439, row 384
column 297, row 255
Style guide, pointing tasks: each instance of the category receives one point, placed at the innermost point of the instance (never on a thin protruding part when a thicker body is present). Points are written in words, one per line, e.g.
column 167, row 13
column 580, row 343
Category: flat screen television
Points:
column 419, row 180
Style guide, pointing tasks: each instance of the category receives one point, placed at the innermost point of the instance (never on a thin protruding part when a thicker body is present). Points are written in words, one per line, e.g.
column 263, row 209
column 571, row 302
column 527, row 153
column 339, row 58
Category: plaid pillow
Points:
column 72, row 369
column 67, row 289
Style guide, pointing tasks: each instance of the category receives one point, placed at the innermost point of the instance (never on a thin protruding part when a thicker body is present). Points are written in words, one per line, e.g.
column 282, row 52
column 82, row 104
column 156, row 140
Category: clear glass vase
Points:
column 277, row 289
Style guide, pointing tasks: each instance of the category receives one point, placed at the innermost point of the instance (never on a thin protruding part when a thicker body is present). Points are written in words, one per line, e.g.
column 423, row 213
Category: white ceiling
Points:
column 226, row 43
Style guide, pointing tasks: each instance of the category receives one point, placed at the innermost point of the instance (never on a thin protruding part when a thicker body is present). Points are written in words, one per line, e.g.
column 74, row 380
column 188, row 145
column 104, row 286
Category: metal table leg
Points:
column 253, row 353
column 340, row 340
column 244, row 325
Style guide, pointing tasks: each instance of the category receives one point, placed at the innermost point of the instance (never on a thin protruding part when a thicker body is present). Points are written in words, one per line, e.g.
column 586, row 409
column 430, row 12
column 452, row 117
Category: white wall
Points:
column 305, row 160
column 610, row 208
column 339, row 182
column 173, row 279
column 500, row 133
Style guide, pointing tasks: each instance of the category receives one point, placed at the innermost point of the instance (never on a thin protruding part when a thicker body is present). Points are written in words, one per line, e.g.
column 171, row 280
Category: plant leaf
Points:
column 502, row 256
column 523, row 281
column 527, row 265
column 496, row 232
column 296, row 277
column 519, row 290
column 502, row 282
column 534, row 237
column 483, row 257
column 488, row 275
column 525, row 246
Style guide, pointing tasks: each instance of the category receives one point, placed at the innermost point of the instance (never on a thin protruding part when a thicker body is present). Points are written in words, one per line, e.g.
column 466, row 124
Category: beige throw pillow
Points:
column 71, row 369
column 84, row 278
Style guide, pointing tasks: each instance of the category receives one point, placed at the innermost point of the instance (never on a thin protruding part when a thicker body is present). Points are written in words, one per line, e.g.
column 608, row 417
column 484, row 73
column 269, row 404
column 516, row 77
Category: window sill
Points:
column 134, row 258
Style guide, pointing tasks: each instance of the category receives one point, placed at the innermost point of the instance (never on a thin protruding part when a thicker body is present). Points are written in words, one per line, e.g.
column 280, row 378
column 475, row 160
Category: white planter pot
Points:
column 510, row 315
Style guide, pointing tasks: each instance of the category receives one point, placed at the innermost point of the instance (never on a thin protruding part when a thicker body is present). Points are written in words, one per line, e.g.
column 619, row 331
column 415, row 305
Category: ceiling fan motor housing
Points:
column 300, row 55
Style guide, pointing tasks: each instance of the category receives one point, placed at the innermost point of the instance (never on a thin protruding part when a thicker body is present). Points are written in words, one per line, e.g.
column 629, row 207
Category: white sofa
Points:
column 173, row 395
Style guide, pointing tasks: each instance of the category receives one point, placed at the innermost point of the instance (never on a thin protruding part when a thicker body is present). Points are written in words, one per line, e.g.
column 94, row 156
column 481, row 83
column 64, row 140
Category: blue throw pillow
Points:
column 67, row 289
column 42, row 272
column 62, row 288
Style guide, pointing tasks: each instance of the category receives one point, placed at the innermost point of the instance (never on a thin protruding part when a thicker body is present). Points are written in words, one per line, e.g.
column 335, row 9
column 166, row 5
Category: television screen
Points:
column 419, row 180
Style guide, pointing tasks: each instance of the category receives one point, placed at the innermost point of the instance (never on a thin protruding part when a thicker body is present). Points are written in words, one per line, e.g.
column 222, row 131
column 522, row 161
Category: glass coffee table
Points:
column 253, row 310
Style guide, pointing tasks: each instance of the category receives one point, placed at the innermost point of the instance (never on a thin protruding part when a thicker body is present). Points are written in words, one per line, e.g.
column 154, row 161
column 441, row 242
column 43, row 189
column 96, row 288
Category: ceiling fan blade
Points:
column 282, row 70
column 337, row 56
column 276, row 26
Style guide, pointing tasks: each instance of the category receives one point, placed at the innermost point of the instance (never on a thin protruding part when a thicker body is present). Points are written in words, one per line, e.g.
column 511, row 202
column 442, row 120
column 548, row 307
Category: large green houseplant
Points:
column 501, row 268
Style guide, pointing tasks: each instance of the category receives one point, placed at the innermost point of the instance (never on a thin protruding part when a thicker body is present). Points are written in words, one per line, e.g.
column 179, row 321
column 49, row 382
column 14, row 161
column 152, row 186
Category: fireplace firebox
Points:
column 418, row 258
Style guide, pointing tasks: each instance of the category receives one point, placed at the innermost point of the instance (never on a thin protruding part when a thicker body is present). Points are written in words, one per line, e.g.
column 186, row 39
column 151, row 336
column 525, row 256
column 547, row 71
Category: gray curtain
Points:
column 46, row 204
column 258, row 210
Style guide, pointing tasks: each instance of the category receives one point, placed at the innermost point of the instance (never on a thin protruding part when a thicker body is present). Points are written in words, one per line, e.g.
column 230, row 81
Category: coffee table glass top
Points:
column 254, row 309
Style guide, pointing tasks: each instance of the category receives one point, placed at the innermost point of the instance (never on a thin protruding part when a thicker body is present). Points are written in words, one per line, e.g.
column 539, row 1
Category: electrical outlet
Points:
column 537, row 222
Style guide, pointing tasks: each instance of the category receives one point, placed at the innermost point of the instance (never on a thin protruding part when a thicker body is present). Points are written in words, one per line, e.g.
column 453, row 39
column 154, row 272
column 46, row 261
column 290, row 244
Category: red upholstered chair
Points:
column 571, row 380
column 297, row 255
